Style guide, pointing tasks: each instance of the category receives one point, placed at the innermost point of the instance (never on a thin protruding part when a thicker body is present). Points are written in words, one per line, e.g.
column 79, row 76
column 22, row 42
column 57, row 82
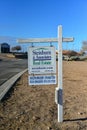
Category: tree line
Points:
column 16, row 48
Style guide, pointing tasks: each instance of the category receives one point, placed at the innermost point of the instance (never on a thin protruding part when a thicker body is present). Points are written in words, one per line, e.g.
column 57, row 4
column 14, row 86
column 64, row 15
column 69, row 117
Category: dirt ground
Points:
column 34, row 108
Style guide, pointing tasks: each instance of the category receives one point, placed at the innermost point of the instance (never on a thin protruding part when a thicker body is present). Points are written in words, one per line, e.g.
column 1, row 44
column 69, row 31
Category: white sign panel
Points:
column 41, row 60
column 42, row 80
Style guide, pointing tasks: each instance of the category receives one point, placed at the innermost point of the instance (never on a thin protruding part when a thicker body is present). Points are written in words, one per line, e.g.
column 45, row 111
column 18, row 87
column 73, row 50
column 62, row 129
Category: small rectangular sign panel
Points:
column 41, row 60
column 42, row 80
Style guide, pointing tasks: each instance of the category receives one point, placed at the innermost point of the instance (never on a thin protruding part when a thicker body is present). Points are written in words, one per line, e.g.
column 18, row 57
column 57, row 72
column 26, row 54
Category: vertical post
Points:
column 60, row 85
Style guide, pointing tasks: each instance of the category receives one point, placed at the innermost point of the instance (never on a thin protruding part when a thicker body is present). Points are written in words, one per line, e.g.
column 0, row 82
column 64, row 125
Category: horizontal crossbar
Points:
column 44, row 40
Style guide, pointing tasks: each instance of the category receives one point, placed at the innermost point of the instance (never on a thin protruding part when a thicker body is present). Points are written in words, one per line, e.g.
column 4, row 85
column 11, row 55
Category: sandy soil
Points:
column 33, row 107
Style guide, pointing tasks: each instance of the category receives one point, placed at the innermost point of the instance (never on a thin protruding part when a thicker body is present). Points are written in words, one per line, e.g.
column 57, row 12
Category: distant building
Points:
column 4, row 48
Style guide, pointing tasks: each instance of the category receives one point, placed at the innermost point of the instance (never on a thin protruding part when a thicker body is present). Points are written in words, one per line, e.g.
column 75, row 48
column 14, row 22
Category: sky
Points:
column 41, row 18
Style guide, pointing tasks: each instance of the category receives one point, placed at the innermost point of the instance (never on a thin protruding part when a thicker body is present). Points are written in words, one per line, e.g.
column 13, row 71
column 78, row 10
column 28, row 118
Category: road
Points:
column 10, row 67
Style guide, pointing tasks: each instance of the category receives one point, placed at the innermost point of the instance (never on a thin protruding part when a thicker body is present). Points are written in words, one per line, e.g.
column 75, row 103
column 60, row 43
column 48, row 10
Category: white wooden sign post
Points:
column 60, row 83
column 59, row 89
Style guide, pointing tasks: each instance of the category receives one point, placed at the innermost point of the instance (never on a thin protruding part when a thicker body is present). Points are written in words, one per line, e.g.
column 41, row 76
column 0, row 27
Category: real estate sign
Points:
column 42, row 60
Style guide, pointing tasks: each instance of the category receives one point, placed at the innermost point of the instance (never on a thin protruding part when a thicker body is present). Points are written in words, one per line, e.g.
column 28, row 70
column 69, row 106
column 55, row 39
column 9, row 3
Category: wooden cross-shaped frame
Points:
column 59, row 89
